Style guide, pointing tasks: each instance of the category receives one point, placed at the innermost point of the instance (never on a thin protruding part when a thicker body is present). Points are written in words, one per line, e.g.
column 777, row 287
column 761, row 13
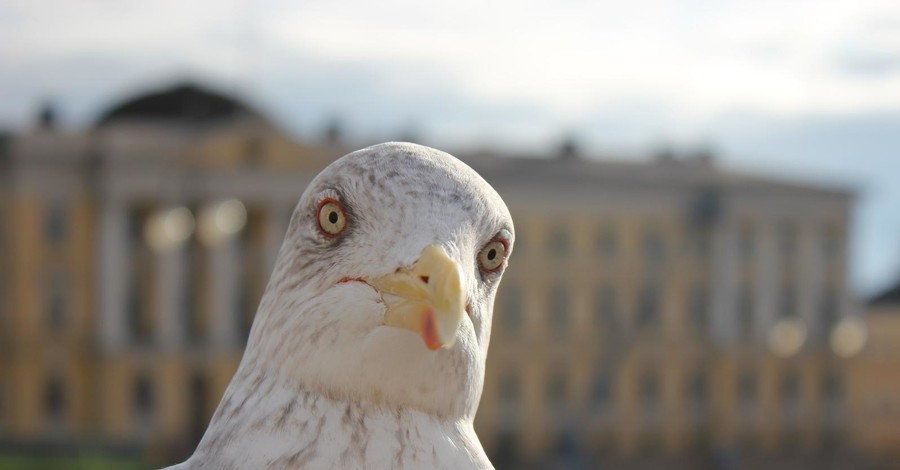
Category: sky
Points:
column 805, row 90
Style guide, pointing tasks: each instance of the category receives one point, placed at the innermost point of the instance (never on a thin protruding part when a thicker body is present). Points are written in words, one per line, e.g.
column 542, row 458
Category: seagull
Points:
column 368, row 349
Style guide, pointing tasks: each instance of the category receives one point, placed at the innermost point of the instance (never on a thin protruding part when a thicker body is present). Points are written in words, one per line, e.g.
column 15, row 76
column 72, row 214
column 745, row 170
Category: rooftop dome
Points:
column 182, row 103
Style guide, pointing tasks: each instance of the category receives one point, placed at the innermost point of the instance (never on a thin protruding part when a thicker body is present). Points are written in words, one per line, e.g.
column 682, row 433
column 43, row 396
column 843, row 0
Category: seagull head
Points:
column 384, row 286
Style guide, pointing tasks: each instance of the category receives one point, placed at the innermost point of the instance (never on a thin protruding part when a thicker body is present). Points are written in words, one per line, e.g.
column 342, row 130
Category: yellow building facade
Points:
column 875, row 380
column 683, row 316
column 661, row 311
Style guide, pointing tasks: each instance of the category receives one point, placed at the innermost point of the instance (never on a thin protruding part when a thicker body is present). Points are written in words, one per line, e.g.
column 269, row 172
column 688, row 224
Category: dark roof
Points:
column 891, row 296
column 592, row 171
column 182, row 103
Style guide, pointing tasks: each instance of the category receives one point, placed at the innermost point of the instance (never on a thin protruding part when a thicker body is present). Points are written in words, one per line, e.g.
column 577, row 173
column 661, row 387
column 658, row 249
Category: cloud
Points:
column 799, row 82
column 870, row 64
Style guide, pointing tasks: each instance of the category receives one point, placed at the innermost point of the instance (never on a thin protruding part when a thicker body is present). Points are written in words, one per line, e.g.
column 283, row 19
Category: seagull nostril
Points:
column 424, row 279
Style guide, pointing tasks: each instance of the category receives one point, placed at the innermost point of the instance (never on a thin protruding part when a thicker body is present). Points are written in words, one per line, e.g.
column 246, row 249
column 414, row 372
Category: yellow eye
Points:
column 491, row 257
column 332, row 220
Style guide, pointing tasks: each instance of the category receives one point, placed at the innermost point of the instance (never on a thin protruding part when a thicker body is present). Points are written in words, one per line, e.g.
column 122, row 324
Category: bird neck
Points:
column 266, row 418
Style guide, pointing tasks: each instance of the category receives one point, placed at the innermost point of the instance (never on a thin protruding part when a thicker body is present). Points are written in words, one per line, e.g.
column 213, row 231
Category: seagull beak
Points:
column 426, row 298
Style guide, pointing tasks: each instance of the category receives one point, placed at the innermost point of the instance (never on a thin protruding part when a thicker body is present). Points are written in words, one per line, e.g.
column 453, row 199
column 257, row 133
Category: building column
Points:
column 224, row 269
column 114, row 282
column 767, row 279
column 171, row 292
column 723, row 284
column 810, row 279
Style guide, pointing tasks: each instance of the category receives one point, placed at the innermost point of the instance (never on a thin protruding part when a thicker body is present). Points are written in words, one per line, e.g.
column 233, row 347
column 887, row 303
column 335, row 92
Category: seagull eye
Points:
column 491, row 257
column 332, row 220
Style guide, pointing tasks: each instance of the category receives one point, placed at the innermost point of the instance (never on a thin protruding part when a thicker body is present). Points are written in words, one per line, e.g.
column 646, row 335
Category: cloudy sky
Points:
column 799, row 89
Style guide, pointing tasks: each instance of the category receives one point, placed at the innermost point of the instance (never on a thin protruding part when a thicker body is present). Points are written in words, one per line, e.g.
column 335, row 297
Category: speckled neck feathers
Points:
column 262, row 423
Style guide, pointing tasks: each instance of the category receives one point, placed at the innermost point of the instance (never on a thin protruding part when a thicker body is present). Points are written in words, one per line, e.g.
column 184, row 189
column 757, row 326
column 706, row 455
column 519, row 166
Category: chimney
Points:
column 47, row 118
column 333, row 133
column 568, row 149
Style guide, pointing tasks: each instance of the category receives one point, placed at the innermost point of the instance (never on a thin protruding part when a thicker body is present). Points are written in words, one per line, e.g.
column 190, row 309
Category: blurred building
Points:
column 876, row 378
column 664, row 311
column 667, row 309
column 134, row 257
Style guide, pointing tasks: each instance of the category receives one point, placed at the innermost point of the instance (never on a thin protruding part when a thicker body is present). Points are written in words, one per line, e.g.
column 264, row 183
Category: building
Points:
column 137, row 253
column 666, row 309
column 658, row 310
column 875, row 383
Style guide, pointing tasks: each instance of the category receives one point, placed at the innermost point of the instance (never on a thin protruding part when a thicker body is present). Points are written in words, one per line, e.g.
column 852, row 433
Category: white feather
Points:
column 323, row 383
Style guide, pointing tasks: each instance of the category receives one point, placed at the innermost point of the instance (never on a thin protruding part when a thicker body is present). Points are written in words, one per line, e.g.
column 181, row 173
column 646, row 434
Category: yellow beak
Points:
column 426, row 298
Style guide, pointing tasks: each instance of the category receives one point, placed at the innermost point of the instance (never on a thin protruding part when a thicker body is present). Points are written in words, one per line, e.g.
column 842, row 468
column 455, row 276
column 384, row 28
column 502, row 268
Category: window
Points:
column 505, row 449
column 700, row 308
column 790, row 389
column 54, row 399
column 654, row 249
column 139, row 326
column 648, row 305
column 788, row 239
column 135, row 222
column 831, row 386
column 193, row 301
column 745, row 311
column 199, row 406
column 746, row 242
column 254, row 151
column 606, row 241
column 56, row 223
column 556, row 386
column 747, row 388
column 143, row 397
column 559, row 307
column 788, row 302
column 700, row 243
column 254, row 252
column 56, row 302
column 567, row 444
column 558, row 241
column 509, row 388
column 829, row 309
column 601, row 388
column 698, row 390
column 606, row 308
column 511, row 310
column 832, row 242
column 649, row 391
